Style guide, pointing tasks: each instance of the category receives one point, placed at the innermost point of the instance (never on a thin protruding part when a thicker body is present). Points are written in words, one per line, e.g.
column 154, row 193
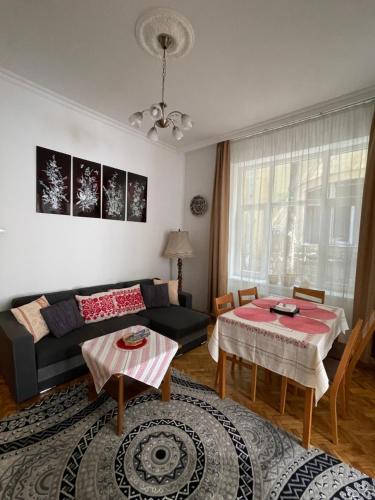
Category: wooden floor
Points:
column 356, row 433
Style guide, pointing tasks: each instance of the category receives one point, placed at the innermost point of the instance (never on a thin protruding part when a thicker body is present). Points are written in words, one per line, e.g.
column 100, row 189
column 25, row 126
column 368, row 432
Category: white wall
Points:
column 199, row 179
column 40, row 252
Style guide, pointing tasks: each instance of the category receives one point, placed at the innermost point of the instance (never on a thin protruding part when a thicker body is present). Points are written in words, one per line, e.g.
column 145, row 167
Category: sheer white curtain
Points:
column 295, row 206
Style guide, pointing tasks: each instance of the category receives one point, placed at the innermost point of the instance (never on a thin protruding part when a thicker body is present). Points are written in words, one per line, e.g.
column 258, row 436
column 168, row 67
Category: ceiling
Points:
column 252, row 59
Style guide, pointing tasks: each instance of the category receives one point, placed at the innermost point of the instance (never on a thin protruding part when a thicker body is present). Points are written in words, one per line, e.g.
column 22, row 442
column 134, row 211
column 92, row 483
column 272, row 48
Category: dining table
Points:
column 291, row 346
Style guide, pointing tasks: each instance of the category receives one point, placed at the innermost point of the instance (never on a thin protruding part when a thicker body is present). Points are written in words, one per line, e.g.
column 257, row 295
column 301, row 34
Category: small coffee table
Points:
column 126, row 373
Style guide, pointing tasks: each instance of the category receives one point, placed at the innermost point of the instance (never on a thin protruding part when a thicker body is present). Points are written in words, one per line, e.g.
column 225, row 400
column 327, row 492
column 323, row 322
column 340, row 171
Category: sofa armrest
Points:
column 185, row 299
column 17, row 358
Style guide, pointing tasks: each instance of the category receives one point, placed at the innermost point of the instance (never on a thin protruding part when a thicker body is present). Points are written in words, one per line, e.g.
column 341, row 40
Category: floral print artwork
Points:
column 53, row 182
column 114, row 182
column 86, row 188
column 117, row 195
column 137, row 198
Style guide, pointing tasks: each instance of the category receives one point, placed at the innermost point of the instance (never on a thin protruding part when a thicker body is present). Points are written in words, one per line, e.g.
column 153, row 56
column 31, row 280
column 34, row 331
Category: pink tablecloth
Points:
column 147, row 364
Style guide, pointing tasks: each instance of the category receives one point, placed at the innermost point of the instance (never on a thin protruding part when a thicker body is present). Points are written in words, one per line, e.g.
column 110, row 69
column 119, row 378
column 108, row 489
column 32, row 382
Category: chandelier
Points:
column 177, row 120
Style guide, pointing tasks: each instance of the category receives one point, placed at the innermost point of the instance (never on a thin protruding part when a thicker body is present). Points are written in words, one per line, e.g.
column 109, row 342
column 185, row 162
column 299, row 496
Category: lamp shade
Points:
column 178, row 245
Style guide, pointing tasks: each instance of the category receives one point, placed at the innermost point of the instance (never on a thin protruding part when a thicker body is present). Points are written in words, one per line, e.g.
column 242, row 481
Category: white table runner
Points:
column 148, row 364
column 285, row 351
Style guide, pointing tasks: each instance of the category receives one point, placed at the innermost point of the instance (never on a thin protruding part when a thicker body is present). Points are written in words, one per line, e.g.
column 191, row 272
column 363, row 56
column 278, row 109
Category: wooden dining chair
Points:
column 336, row 371
column 246, row 296
column 363, row 341
column 309, row 294
column 224, row 304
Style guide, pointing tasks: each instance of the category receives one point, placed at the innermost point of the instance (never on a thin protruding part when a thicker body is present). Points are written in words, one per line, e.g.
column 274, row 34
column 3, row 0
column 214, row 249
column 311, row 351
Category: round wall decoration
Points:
column 198, row 205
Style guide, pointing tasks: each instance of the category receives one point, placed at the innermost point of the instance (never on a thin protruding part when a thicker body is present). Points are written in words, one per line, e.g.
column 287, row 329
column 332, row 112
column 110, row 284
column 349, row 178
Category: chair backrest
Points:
column 362, row 343
column 309, row 294
column 224, row 304
column 246, row 296
column 347, row 355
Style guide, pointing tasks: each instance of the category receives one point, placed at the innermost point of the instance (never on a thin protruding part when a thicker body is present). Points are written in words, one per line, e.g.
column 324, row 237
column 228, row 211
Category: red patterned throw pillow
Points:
column 128, row 300
column 97, row 307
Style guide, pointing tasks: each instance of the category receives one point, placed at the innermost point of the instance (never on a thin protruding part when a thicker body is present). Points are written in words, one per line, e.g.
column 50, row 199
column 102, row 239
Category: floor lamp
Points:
column 178, row 247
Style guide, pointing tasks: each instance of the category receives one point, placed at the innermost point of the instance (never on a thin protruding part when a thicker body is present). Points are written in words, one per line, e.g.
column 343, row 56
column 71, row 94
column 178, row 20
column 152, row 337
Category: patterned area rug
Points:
column 195, row 446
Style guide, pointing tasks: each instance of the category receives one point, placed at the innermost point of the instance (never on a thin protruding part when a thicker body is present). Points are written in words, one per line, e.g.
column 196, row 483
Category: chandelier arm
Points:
column 169, row 120
column 174, row 113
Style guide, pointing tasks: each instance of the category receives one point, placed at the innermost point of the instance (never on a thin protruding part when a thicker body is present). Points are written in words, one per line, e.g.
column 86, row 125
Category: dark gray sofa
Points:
column 30, row 368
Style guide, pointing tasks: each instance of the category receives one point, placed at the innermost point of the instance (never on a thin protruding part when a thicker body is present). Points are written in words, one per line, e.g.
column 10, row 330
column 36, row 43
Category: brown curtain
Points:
column 364, row 295
column 219, row 231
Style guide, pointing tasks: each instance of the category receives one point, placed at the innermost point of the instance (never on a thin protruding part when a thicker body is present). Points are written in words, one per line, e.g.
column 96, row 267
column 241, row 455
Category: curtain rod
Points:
column 319, row 114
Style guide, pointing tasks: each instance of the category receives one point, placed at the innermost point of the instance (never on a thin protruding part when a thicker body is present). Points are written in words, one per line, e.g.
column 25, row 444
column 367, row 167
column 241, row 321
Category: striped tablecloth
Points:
column 147, row 364
column 282, row 350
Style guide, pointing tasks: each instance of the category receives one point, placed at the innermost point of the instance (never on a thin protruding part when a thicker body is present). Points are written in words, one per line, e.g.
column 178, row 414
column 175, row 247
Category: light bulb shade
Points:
column 186, row 121
column 178, row 245
column 152, row 134
column 135, row 119
column 177, row 133
column 156, row 112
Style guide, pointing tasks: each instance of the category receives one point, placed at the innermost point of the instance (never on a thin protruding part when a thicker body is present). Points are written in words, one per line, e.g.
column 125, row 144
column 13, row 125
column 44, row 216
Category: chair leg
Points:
column 222, row 378
column 284, row 387
column 267, row 376
column 217, row 374
column 253, row 388
column 333, row 410
column 347, row 393
column 343, row 397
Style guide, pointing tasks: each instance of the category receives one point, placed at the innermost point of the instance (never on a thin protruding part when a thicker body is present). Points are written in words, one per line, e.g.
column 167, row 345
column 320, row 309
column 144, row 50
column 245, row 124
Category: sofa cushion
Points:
column 29, row 315
column 155, row 295
column 115, row 324
column 96, row 307
column 52, row 297
column 128, row 300
column 52, row 349
column 62, row 317
column 175, row 321
column 172, row 290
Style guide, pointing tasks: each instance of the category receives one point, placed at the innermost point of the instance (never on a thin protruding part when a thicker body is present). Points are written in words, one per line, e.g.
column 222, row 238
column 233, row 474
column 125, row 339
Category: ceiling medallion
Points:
column 162, row 32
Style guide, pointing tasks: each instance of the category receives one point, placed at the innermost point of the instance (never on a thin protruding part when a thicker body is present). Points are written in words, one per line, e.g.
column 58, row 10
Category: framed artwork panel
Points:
column 86, row 188
column 113, row 193
column 53, row 181
column 136, row 198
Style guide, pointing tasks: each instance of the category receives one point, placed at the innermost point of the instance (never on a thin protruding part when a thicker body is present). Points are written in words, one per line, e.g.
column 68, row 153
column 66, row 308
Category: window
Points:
column 295, row 206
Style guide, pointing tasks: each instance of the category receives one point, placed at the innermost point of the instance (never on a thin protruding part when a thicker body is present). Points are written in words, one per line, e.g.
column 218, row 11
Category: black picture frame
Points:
column 136, row 198
column 53, row 181
column 113, row 193
column 86, row 188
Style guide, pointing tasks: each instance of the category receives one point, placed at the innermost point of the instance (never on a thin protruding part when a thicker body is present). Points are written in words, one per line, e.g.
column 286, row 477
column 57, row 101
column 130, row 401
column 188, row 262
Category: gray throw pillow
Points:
column 155, row 295
column 62, row 317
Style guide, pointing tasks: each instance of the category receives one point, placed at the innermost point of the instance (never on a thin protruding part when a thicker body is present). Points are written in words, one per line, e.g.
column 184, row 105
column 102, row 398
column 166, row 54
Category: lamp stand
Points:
column 179, row 275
